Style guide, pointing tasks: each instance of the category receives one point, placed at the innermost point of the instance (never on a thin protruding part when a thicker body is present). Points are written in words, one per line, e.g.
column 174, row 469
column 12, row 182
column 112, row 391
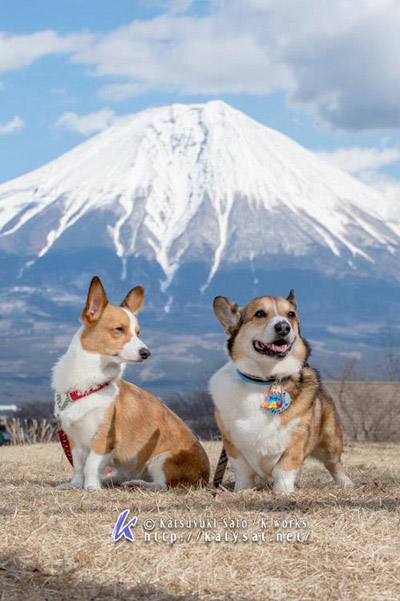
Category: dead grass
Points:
column 57, row 545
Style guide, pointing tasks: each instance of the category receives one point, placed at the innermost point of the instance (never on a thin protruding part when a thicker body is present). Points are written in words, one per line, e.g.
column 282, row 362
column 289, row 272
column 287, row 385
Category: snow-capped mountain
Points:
column 200, row 183
column 191, row 201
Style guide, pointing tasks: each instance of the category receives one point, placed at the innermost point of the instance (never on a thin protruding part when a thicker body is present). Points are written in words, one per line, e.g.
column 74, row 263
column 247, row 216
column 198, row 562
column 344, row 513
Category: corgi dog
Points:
column 270, row 406
column 111, row 423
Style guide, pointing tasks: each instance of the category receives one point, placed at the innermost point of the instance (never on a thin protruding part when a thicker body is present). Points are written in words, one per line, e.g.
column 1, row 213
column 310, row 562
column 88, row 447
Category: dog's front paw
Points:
column 282, row 491
column 92, row 486
column 283, row 480
column 283, row 487
column 244, row 486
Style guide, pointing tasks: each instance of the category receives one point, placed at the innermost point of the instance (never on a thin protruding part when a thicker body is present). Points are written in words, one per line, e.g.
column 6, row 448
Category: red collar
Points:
column 79, row 394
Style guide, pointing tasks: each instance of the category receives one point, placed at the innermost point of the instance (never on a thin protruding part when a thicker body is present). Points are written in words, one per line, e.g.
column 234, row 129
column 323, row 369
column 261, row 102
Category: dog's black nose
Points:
column 144, row 353
column 282, row 328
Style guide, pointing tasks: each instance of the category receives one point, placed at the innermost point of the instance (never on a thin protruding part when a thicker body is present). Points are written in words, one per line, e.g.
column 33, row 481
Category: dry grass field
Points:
column 57, row 545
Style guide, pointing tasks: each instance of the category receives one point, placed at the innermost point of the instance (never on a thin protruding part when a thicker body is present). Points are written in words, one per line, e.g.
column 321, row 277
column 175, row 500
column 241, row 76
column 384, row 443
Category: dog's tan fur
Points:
column 133, row 429
column 318, row 430
column 137, row 425
column 101, row 320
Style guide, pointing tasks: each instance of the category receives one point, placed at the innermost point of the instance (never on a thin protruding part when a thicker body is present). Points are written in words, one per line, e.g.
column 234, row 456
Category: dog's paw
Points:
column 345, row 482
column 283, row 488
column 132, row 483
column 92, row 487
column 282, row 493
column 70, row 484
column 144, row 484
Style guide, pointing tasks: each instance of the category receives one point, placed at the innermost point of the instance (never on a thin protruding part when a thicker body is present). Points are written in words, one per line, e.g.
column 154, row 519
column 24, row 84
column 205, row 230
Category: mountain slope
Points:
column 190, row 183
column 192, row 201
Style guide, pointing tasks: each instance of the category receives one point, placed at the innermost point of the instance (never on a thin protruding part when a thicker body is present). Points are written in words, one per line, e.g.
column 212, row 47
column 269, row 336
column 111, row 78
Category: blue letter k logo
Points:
column 124, row 531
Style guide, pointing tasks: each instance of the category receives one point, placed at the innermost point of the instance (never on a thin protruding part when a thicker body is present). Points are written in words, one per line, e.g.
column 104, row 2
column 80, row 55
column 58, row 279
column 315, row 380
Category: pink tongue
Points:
column 279, row 349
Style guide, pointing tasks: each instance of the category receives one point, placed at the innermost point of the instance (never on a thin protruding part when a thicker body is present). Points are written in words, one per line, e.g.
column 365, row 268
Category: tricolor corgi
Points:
column 270, row 406
column 109, row 422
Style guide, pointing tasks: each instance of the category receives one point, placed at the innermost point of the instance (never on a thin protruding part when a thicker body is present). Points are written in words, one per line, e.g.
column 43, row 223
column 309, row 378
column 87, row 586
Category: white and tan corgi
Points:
column 112, row 422
column 264, row 436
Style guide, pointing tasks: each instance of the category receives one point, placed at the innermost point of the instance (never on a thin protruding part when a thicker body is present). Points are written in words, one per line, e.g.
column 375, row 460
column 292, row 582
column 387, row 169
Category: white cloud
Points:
column 172, row 6
column 17, row 51
column 63, row 96
column 365, row 163
column 87, row 124
column 121, row 91
column 338, row 58
column 14, row 125
column 357, row 160
column 388, row 186
column 186, row 55
column 347, row 70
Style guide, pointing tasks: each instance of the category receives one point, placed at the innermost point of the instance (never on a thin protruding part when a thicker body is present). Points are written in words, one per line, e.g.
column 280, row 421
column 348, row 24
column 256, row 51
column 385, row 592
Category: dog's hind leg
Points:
column 144, row 484
column 330, row 448
column 154, row 474
column 330, row 457
column 122, row 478
column 116, row 476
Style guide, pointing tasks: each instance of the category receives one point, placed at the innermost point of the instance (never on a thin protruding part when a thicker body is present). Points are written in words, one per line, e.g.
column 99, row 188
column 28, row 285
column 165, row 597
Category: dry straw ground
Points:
column 57, row 544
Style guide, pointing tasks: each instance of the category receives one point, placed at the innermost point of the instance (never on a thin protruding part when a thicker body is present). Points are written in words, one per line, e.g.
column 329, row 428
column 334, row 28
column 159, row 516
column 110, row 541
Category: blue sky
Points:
column 325, row 73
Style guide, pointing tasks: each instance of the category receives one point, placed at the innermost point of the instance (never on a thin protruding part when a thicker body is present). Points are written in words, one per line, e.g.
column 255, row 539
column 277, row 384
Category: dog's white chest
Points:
column 81, row 419
column 255, row 432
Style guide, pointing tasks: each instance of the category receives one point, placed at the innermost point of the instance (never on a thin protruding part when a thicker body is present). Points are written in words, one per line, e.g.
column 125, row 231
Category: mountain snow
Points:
column 189, row 182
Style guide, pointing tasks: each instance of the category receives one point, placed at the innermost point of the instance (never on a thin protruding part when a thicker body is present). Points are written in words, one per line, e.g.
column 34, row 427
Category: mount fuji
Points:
column 193, row 201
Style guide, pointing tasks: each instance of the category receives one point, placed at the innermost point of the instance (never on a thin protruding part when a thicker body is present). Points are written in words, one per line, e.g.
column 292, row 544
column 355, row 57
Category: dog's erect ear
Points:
column 228, row 313
column 134, row 300
column 292, row 298
column 95, row 303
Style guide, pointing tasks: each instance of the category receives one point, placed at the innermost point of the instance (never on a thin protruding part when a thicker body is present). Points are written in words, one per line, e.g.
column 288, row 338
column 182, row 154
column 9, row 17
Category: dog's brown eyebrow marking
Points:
column 251, row 307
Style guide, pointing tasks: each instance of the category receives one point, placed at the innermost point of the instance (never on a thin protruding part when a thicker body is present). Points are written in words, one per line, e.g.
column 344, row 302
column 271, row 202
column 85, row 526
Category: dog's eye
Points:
column 260, row 313
column 291, row 314
column 120, row 329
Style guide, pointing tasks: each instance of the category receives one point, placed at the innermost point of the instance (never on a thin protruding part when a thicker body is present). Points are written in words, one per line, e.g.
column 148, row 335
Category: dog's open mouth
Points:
column 278, row 348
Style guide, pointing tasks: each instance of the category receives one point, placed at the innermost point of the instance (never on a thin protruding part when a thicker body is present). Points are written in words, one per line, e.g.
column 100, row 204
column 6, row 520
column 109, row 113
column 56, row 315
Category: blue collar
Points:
column 259, row 381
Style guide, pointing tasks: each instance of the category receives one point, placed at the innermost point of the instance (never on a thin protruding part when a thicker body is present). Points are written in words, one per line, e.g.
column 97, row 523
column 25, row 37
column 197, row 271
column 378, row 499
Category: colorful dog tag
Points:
column 277, row 399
